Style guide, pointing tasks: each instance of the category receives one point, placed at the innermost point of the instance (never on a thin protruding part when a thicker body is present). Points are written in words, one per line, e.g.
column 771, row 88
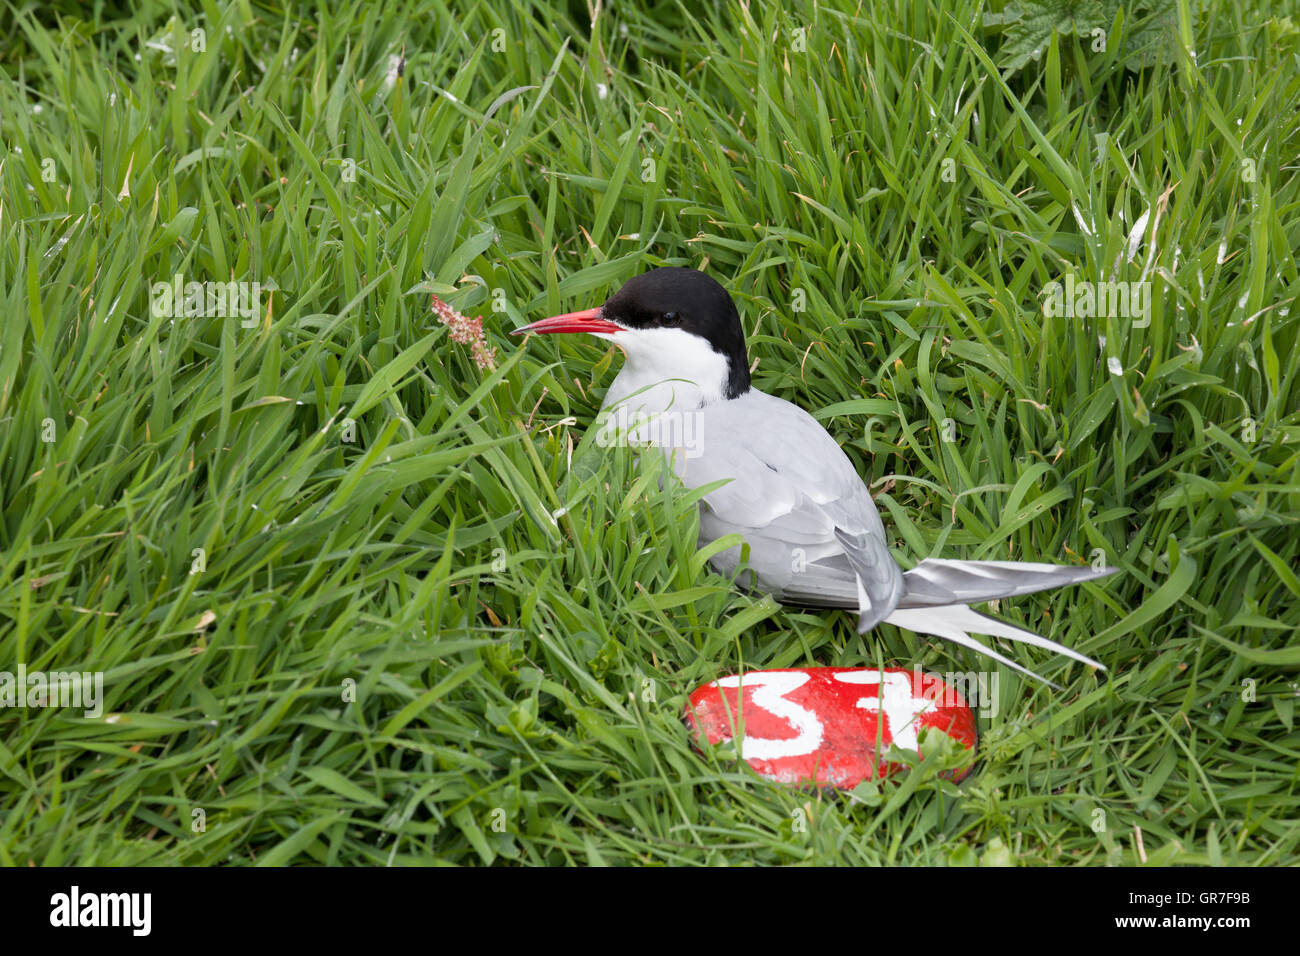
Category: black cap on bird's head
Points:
column 665, row 299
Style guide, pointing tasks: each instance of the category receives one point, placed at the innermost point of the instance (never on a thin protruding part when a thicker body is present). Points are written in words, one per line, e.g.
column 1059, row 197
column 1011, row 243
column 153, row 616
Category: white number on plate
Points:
column 769, row 690
column 902, row 710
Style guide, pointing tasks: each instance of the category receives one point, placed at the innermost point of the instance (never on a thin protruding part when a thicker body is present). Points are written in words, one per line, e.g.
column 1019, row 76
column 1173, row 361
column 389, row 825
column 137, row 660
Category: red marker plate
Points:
column 819, row 724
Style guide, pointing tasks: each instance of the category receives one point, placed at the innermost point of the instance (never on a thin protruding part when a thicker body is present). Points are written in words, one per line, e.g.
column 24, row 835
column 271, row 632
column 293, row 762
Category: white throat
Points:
column 665, row 370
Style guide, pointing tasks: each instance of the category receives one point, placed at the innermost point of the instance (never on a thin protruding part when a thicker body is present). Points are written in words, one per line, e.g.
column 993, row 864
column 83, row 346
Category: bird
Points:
column 815, row 538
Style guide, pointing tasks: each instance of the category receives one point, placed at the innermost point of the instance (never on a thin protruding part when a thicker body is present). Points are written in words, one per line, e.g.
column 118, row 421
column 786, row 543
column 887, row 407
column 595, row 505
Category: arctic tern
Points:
column 815, row 537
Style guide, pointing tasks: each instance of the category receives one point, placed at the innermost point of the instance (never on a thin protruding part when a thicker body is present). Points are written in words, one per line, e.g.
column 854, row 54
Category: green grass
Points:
column 519, row 620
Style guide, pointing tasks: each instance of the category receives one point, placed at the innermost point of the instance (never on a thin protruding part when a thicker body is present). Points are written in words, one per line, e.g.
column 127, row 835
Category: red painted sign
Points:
column 828, row 725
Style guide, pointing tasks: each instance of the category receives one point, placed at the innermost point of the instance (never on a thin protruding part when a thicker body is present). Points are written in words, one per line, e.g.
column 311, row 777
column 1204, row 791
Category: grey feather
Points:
column 816, row 539
column 954, row 622
column 813, row 531
column 933, row 621
column 936, row 581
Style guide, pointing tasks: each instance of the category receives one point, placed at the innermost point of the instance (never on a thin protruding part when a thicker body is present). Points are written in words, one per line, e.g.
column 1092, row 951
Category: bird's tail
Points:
column 936, row 593
column 937, row 582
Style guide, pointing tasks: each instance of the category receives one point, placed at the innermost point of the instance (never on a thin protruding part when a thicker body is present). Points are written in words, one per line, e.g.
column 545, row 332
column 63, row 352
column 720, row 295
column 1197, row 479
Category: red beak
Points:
column 588, row 320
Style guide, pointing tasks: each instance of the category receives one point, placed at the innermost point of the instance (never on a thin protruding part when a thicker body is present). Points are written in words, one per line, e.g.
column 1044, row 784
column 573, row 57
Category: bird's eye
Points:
column 670, row 318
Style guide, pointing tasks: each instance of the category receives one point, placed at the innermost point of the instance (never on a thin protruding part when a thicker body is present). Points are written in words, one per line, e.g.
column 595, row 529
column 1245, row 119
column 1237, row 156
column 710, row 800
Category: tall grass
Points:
column 357, row 601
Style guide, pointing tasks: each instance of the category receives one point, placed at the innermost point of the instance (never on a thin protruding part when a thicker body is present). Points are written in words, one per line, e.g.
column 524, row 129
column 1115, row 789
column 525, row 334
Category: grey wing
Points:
column 938, row 582
column 814, row 534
